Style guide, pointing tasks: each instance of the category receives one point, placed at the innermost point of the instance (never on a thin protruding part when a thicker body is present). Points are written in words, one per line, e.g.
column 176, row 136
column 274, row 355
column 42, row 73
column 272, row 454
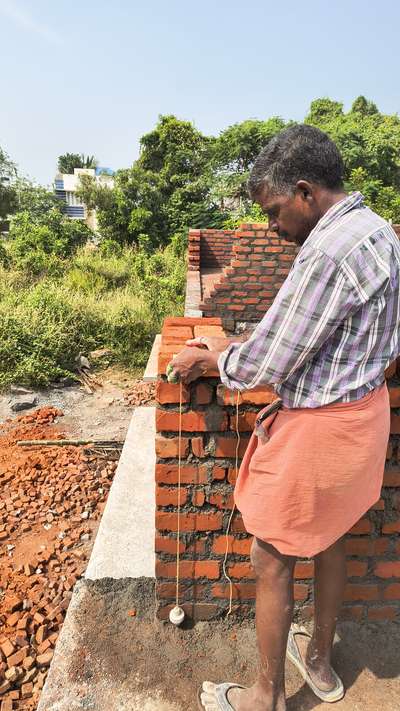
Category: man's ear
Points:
column 305, row 189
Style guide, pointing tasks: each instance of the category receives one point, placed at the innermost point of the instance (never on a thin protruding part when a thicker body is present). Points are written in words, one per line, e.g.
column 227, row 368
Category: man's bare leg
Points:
column 330, row 581
column 274, row 611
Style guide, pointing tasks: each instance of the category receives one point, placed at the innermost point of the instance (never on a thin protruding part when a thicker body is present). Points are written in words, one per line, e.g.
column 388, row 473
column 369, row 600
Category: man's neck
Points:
column 328, row 199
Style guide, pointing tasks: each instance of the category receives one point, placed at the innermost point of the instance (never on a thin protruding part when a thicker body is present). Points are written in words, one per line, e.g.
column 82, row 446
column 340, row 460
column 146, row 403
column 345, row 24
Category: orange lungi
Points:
column 319, row 472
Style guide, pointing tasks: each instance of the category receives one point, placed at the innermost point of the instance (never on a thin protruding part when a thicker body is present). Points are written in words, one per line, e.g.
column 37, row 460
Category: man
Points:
column 324, row 343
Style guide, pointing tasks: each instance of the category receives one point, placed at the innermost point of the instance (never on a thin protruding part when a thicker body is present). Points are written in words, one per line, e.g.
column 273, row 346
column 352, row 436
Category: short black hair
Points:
column 300, row 152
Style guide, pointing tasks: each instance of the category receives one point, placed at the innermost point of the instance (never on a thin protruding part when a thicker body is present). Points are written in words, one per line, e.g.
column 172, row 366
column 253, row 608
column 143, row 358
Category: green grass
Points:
column 87, row 302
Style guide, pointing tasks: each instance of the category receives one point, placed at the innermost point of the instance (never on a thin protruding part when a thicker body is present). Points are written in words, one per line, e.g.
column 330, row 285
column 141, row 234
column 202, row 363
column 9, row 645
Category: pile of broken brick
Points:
column 51, row 498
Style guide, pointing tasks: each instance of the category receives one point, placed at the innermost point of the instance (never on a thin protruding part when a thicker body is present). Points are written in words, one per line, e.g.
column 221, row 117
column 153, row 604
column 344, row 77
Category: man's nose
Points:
column 273, row 225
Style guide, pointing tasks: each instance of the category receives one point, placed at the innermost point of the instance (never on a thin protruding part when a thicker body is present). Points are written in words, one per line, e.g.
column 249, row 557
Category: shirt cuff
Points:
column 223, row 359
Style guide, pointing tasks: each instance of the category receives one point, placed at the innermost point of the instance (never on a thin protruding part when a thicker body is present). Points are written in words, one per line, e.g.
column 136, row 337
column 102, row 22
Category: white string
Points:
column 179, row 495
column 233, row 509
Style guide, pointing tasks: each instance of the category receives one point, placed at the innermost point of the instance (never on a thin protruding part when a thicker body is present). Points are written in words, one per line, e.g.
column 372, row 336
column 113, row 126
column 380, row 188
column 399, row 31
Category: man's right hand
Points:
column 212, row 343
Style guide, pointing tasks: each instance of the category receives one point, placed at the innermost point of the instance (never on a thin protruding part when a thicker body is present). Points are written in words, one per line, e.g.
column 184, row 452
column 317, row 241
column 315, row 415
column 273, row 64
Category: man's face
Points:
column 292, row 217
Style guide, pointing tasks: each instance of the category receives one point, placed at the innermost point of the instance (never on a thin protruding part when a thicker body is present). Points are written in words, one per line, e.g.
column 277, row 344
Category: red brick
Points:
column 392, row 477
column 182, row 331
column 189, row 569
column 166, row 521
column 387, row 612
column 240, row 591
column 198, row 447
column 169, row 497
column 198, row 498
column 226, row 446
column 358, row 546
column 241, row 570
column 301, row 591
column 218, row 473
column 304, row 570
column 394, row 395
column 204, row 394
column 246, row 421
column 361, row 592
column 198, row 547
column 362, row 526
column 169, row 447
column 378, row 506
column 392, row 592
column 221, row 500
column 166, row 420
column 352, row 612
column 209, row 330
column 169, row 393
column 168, row 474
column 389, row 451
column 237, row 525
column 387, row 569
column 238, row 546
column 168, row 545
column 392, row 527
column 356, row 568
column 394, row 423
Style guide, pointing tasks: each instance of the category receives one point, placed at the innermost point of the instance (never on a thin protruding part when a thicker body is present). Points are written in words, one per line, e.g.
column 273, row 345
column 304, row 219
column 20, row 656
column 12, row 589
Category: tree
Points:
column 366, row 138
column 34, row 199
column 8, row 172
column 68, row 161
column 165, row 190
column 234, row 152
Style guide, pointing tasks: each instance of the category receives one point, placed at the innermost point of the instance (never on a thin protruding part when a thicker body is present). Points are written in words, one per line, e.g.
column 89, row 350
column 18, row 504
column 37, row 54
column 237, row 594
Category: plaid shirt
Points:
column 334, row 326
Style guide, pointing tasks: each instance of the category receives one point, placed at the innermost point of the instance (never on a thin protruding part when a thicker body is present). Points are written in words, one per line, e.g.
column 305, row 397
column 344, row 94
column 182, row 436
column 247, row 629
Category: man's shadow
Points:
column 371, row 646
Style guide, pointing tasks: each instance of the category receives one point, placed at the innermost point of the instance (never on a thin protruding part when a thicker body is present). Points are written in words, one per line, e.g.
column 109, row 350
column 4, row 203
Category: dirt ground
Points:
column 103, row 414
column 135, row 663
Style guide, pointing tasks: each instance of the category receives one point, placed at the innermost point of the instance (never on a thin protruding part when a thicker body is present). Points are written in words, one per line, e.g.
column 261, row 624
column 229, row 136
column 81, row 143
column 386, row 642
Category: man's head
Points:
column 296, row 178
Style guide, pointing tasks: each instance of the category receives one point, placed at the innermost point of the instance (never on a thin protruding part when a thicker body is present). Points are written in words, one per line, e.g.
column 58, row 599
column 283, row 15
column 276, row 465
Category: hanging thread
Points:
column 179, row 495
column 234, row 507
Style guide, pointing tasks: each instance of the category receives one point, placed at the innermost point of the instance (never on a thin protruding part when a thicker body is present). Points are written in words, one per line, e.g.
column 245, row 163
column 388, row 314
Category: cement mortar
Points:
column 113, row 655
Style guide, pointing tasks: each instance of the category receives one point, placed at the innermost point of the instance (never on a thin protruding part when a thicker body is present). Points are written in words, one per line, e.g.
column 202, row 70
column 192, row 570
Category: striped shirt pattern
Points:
column 334, row 326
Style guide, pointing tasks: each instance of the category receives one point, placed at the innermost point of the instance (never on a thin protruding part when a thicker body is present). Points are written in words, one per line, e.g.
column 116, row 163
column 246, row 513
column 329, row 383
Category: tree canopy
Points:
column 185, row 179
column 68, row 161
column 8, row 171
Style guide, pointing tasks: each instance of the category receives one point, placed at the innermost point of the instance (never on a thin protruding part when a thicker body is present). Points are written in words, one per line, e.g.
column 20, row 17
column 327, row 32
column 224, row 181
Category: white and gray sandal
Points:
column 214, row 697
column 293, row 653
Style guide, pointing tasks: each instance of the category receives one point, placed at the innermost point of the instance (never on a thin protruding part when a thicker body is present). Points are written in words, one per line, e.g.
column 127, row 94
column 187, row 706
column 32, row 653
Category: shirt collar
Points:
column 350, row 202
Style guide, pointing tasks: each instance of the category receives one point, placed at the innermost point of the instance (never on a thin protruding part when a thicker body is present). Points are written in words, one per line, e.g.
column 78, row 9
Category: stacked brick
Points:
column 50, row 500
column 247, row 287
column 208, row 448
column 210, row 249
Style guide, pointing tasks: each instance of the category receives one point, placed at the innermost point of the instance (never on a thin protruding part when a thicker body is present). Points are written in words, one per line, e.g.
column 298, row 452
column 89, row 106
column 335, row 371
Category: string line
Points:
column 179, row 495
column 234, row 507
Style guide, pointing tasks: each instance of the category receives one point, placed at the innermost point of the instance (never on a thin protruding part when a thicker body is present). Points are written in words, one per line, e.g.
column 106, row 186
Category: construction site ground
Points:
column 114, row 655
column 51, row 502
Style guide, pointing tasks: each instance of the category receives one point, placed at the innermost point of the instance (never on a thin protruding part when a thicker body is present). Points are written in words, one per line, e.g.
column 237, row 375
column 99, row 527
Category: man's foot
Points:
column 319, row 670
column 252, row 699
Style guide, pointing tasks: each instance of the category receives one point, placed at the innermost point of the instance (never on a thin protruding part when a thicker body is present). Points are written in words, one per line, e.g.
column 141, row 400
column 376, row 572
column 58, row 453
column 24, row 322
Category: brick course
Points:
column 208, row 450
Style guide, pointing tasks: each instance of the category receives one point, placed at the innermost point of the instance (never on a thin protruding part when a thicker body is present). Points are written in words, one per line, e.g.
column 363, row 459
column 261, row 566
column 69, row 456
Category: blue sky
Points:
column 93, row 76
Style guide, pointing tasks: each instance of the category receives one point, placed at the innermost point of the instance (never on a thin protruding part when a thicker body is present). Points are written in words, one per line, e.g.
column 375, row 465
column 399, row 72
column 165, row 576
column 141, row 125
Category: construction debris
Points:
column 141, row 393
column 50, row 501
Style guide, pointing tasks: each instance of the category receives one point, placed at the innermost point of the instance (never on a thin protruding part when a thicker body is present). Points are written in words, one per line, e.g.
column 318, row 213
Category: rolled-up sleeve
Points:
column 315, row 298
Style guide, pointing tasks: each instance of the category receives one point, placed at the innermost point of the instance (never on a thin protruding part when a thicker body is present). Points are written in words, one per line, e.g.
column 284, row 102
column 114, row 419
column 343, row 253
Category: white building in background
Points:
column 66, row 186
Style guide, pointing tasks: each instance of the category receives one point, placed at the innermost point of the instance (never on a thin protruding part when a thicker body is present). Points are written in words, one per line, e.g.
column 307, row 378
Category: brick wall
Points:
column 248, row 285
column 212, row 249
column 208, row 475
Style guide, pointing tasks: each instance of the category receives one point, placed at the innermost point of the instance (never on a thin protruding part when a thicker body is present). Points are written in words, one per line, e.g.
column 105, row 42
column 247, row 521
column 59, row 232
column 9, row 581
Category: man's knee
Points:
column 268, row 562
